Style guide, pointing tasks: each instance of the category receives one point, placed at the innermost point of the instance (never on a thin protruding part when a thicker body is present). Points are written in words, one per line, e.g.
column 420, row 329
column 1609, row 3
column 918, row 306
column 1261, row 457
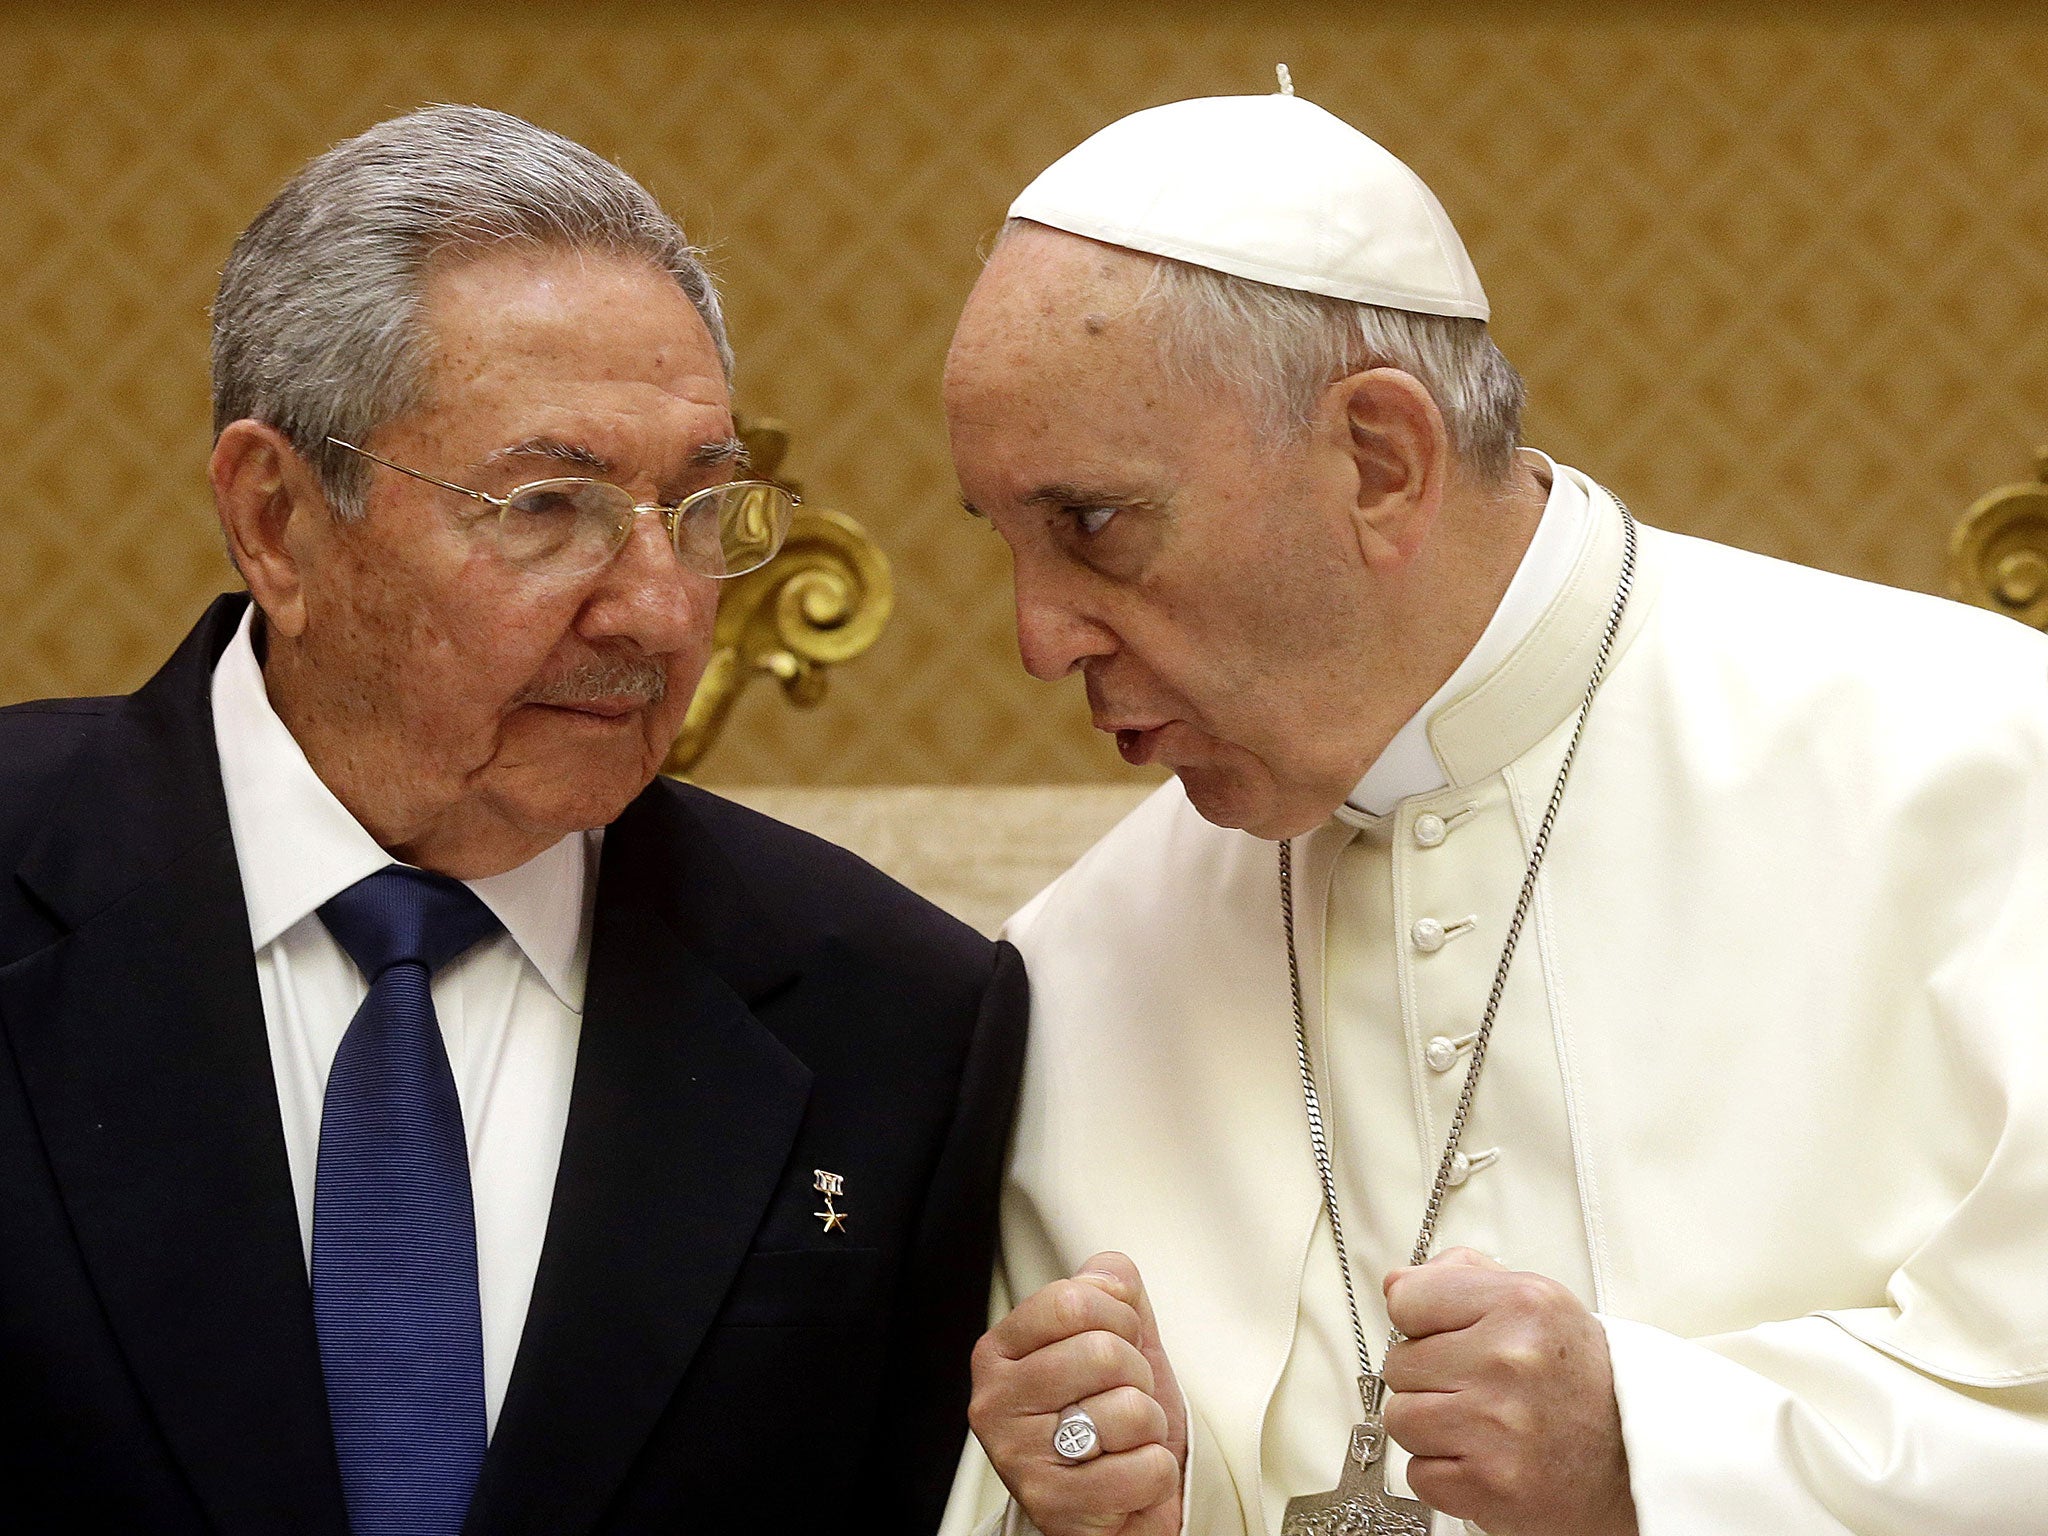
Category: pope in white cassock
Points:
column 1654, row 935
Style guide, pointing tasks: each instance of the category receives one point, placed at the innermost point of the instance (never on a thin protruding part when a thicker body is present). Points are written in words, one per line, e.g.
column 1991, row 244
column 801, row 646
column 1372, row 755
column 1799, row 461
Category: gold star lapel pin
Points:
column 829, row 1185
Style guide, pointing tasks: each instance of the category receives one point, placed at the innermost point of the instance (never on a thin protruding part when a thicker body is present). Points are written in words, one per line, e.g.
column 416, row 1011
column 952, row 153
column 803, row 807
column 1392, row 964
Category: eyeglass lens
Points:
column 567, row 527
column 752, row 519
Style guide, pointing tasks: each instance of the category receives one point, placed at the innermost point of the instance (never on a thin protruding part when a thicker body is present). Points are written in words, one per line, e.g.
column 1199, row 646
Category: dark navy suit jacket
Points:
column 700, row 1354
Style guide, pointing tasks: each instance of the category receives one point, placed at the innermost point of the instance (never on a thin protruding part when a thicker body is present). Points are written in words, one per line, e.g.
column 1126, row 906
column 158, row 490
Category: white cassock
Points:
column 1768, row 1089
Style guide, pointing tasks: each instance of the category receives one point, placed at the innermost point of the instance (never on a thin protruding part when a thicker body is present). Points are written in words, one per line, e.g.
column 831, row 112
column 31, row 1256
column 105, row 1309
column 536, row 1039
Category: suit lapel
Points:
column 140, row 1040
column 682, row 1117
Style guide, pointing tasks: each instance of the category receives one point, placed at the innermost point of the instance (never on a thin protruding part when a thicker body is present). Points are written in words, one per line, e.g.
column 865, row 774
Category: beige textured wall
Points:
column 1778, row 275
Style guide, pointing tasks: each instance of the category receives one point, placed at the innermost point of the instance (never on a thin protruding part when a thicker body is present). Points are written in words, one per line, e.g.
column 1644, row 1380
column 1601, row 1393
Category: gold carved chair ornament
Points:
column 1998, row 553
column 822, row 600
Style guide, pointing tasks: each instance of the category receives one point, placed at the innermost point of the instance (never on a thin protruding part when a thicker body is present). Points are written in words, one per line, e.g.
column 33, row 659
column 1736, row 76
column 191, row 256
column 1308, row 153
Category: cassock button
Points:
column 1428, row 935
column 1463, row 1167
column 1429, row 830
column 1441, row 1053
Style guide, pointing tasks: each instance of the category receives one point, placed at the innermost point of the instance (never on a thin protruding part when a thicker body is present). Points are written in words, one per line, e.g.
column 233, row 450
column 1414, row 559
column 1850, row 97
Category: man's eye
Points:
column 544, row 504
column 1091, row 520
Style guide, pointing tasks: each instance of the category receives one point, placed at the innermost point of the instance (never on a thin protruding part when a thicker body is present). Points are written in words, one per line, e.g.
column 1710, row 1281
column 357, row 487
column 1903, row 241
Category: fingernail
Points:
column 1109, row 1280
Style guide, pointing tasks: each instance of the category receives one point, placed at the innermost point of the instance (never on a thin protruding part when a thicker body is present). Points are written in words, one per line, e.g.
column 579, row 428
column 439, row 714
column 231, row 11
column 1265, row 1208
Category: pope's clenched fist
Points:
column 1088, row 1342
column 1503, row 1394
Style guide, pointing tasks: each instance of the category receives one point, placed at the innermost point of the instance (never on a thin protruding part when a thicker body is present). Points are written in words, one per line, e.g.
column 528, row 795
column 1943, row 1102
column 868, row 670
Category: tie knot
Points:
column 401, row 914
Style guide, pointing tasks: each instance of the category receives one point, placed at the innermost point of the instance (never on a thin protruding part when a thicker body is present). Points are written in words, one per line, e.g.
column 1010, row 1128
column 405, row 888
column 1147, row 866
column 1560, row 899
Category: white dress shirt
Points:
column 511, row 1009
column 1408, row 766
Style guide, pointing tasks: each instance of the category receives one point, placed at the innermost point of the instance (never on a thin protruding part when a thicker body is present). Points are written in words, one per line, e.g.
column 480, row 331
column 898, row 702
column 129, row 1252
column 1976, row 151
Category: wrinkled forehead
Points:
column 593, row 311
column 562, row 344
column 1058, row 388
column 1050, row 296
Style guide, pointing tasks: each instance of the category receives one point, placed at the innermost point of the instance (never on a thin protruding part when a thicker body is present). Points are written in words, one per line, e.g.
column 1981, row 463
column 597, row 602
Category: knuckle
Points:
column 990, row 1415
column 1155, row 1475
column 987, row 1353
column 1130, row 1416
column 1398, row 1371
column 1515, row 1481
column 1118, row 1403
column 1068, row 1301
column 1515, row 1418
column 1155, row 1423
column 1521, row 1357
column 1103, row 1354
column 981, row 1412
column 1435, row 1481
column 988, row 1400
column 1398, row 1415
column 1532, row 1294
column 1049, row 1506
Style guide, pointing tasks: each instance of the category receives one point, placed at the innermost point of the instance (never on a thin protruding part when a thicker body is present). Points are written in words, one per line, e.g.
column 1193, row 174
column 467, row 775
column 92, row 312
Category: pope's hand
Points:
column 1503, row 1393
column 1089, row 1341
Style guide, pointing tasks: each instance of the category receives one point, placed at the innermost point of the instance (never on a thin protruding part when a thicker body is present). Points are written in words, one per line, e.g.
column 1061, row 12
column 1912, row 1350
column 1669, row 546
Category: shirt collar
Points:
column 1408, row 766
column 297, row 845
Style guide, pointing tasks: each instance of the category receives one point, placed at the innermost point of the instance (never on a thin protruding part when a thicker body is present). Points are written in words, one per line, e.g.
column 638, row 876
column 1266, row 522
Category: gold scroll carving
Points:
column 823, row 600
column 1998, row 553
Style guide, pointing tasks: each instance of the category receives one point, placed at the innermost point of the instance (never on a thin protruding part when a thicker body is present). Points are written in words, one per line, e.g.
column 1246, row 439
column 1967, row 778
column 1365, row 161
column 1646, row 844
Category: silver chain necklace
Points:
column 1360, row 1505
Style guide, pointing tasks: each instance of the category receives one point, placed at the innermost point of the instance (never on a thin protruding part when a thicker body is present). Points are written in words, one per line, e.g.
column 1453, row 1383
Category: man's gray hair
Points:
column 316, row 327
column 1278, row 349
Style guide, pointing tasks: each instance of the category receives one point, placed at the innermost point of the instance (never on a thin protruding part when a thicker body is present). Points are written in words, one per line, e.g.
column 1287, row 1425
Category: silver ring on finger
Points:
column 1074, row 1438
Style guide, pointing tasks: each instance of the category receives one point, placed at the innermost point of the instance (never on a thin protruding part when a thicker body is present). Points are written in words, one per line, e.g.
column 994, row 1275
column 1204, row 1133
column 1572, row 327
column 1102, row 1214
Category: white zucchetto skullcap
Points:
column 1272, row 188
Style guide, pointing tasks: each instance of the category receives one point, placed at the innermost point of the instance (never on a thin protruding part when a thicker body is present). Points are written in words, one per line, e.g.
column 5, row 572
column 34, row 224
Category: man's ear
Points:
column 267, row 497
column 1401, row 452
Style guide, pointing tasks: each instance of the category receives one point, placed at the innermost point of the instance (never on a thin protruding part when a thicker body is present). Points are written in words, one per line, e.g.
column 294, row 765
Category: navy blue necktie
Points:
column 394, row 1230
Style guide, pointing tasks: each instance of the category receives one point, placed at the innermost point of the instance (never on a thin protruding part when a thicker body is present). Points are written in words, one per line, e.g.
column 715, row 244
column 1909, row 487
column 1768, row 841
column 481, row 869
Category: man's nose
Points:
column 644, row 594
column 1054, row 634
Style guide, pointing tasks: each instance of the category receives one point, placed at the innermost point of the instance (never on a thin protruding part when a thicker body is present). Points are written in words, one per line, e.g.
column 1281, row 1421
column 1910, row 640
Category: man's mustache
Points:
column 604, row 679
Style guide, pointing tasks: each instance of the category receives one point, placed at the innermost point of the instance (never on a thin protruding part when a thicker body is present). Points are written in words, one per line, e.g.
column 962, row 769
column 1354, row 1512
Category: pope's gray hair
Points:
column 316, row 327
column 1278, row 349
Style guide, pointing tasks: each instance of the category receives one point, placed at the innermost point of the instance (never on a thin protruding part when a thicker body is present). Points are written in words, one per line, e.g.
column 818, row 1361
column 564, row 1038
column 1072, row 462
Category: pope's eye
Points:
column 1091, row 520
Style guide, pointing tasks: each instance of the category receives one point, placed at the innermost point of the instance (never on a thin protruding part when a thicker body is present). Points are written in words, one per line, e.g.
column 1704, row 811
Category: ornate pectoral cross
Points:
column 1359, row 1505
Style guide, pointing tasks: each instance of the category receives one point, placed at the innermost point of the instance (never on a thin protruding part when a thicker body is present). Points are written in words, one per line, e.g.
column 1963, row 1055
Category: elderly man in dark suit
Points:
column 415, row 1115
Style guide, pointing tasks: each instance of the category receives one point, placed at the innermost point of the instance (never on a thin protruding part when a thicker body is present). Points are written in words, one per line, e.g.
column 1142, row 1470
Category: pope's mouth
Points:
column 1138, row 746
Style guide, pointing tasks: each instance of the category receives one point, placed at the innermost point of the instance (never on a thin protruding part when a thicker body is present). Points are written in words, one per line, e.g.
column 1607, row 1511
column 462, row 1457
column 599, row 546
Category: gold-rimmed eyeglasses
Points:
column 571, row 526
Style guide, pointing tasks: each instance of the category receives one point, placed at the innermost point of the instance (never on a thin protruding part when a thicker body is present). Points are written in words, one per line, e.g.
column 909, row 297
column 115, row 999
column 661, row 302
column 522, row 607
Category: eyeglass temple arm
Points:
column 499, row 501
column 460, row 490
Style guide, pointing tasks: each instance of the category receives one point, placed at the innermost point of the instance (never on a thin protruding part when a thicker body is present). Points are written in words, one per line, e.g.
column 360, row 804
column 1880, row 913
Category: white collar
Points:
column 1408, row 766
column 298, row 846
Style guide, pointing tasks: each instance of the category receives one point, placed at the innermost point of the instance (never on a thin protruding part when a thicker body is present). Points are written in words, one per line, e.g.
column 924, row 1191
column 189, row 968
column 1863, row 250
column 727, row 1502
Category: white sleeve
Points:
column 1929, row 1414
column 1800, row 1428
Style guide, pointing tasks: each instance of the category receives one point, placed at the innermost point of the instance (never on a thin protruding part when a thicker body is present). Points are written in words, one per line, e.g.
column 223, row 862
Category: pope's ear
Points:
column 1401, row 452
column 268, row 499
